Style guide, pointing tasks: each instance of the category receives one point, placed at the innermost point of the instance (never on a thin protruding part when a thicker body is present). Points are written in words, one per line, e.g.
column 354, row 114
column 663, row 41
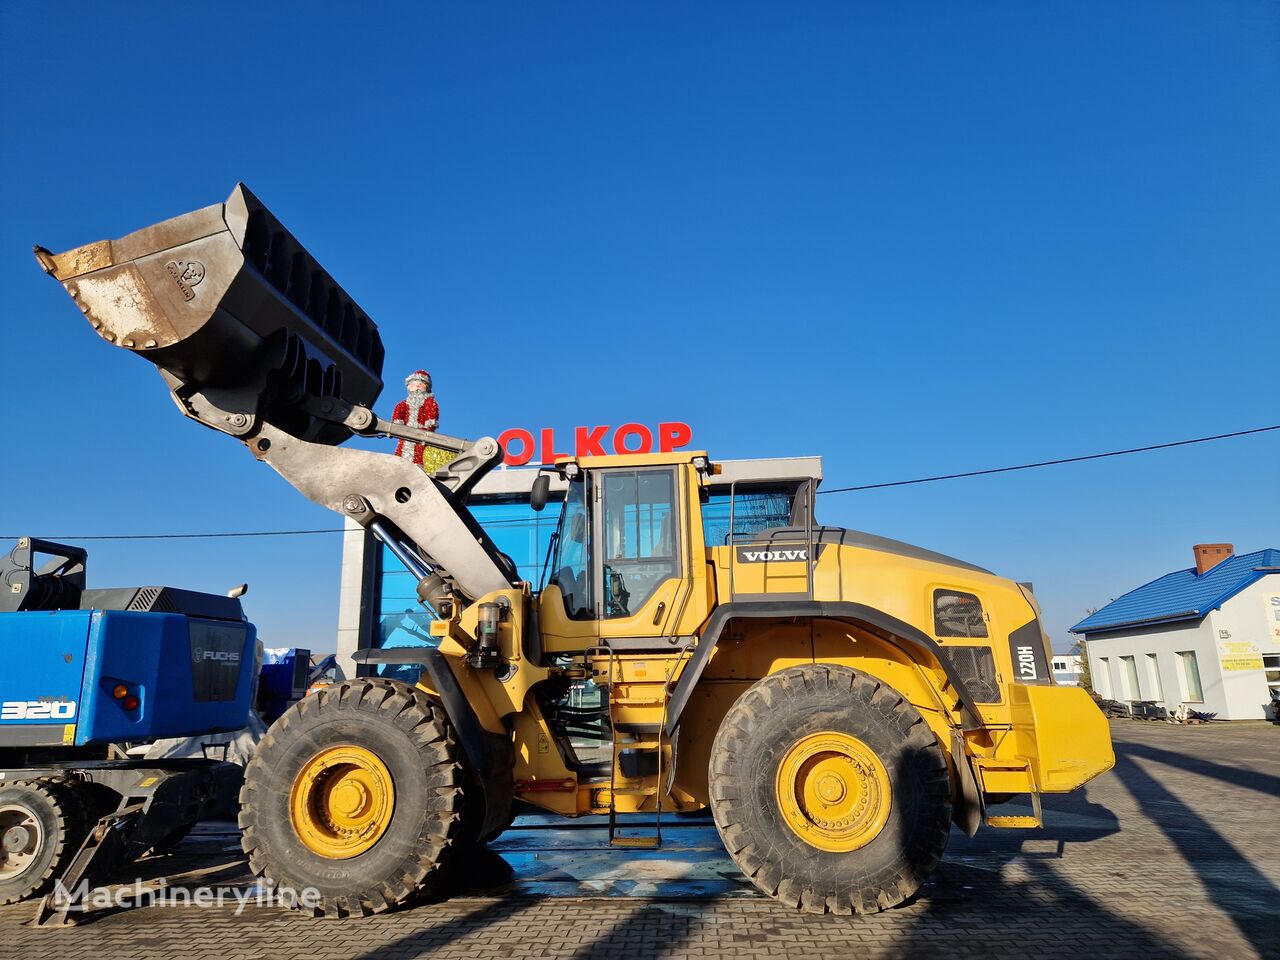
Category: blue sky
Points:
column 912, row 238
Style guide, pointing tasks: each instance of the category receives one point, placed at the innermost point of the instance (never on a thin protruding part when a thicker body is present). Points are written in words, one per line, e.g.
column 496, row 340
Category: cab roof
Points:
column 670, row 458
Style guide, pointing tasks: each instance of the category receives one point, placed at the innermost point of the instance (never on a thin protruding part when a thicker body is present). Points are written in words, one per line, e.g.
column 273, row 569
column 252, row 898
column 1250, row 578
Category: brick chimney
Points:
column 1209, row 555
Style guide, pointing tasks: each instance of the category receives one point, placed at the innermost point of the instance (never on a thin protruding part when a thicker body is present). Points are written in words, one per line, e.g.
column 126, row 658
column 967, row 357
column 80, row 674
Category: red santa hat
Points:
column 421, row 375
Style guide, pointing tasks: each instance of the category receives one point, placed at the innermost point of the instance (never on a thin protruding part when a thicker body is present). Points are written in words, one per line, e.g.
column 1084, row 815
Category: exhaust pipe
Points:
column 227, row 303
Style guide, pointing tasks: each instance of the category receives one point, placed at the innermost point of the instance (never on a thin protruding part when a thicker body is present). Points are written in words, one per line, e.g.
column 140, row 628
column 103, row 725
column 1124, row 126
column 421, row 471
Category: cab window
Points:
column 569, row 565
column 957, row 615
column 638, row 542
column 752, row 510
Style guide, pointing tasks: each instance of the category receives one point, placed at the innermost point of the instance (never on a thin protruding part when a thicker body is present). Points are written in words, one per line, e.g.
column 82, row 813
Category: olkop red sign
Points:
column 521, row 447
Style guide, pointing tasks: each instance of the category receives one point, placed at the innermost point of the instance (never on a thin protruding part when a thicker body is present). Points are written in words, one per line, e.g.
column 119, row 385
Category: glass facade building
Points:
column 378, row 605
column 518, row 531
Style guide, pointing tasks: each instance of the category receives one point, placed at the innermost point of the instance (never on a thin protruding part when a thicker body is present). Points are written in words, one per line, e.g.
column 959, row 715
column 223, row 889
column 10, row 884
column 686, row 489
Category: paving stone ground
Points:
column 1175, row 853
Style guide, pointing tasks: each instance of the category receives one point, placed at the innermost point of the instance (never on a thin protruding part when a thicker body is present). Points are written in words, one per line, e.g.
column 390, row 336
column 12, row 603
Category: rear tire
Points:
column 43, row 823
column 411, row 781
column 830, row 791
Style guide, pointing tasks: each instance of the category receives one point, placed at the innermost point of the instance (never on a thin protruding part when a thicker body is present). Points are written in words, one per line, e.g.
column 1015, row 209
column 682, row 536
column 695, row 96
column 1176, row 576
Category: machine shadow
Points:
column 478, row 871
column 1235, row 886
column 998, row 899
column 992, row 914
column 663, row 927
column 431, row 938
column 1263, row 783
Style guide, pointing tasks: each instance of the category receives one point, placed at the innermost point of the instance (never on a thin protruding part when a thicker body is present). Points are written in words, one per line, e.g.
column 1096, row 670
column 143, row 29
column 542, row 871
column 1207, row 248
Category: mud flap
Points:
column 967, row 813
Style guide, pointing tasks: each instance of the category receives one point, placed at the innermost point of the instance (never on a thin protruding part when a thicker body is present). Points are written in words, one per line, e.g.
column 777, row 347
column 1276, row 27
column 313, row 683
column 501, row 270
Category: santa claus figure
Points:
column 418, row 409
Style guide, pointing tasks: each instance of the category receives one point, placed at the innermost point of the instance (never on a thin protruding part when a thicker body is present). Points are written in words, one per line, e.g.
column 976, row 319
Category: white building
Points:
column 1067, row 668
column 1207, row 636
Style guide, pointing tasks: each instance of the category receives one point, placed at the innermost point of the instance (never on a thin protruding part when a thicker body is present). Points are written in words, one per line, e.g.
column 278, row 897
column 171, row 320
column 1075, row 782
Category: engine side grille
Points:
column 152, row 599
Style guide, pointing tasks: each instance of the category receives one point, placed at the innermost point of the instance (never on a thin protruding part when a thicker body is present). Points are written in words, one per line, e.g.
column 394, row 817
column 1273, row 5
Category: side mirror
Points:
column 538, row 495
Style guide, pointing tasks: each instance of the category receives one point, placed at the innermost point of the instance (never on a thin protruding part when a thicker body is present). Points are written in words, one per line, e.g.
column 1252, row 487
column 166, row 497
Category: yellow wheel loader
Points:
column 837, row 700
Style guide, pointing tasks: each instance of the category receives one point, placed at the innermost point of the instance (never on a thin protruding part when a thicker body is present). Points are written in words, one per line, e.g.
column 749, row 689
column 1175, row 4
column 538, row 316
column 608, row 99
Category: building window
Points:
column 1153, row 677
column 958, row 615
column 1271, row 663
column 1104, row 678
column 1192, row 691
column 1132, row 691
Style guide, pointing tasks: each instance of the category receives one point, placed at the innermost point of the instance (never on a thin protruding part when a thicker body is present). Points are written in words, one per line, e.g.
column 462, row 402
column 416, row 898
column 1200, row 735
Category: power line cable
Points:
column 193, row 536
column 1049, row 463
column 864, row 486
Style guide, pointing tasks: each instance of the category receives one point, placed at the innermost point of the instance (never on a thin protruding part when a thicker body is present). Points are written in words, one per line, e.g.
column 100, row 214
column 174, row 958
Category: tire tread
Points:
column 419, row 716
column 729, row 795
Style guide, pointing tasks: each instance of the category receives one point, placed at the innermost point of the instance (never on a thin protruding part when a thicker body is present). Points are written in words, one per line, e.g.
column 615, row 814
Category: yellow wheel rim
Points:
column 341, row 802
column 833, row 791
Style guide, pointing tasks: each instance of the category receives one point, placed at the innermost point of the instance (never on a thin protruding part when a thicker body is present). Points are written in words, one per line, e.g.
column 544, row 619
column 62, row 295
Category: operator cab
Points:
column 628, row 564
column 635, row 543
column 622, row 553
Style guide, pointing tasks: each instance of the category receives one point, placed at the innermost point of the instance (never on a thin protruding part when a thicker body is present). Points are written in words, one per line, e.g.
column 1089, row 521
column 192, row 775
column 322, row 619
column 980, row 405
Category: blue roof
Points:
column 1182, row 595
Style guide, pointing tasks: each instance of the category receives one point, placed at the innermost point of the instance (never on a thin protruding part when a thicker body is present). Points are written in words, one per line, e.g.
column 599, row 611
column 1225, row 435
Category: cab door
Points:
column 620, row 566
column 641, row 554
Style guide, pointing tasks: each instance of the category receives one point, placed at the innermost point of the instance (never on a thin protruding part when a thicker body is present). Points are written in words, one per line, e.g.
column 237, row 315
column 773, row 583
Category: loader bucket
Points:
column 225, row 300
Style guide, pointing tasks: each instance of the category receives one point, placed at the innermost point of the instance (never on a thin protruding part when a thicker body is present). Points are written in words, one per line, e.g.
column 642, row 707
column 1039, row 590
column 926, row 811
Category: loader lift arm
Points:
column 422, row 519
column 256, row 340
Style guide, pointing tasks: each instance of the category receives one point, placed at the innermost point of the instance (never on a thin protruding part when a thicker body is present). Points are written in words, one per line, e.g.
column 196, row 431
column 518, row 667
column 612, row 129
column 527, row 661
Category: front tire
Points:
column 356, row 793
column 830, row 791
column 474, row 809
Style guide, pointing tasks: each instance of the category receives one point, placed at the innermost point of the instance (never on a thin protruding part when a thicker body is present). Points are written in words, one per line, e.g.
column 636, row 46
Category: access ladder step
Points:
column 634, row 791
column 1019, row 821
column 647, row 843
column 1015, row 822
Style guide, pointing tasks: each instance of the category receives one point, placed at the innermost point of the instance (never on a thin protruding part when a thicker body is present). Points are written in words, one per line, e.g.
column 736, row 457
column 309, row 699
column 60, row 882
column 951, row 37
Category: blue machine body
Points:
column 182, row 676
column 282, row 680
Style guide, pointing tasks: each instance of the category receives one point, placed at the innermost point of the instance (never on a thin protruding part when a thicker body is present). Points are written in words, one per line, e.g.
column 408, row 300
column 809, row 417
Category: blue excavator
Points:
column 88, row 674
